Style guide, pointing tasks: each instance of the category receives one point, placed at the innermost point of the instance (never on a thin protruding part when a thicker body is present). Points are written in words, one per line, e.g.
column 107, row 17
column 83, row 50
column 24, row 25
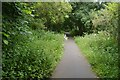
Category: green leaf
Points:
column 6, row 35
column 5, row 41
column 27, row 11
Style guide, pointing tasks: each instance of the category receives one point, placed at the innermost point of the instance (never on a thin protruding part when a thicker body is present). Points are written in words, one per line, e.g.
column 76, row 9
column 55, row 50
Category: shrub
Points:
column 34, row 55
column 102, row 53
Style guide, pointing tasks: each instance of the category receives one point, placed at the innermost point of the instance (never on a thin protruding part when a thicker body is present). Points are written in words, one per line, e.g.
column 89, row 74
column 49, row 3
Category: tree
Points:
column 52, row 13
column 80, row 19
column 106, row 19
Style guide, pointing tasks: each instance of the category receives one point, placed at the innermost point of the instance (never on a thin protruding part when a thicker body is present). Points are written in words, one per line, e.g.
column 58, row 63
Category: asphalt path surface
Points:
column 73, row 64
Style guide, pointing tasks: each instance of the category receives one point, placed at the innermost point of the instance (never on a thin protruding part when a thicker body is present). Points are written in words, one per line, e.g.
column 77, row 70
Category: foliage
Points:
column 106, row 19
column 100, row 47
column 92, row 17
column 28, row 51
column 33, row 56
column 53, row 13
column 102, row 52
column 80, row 21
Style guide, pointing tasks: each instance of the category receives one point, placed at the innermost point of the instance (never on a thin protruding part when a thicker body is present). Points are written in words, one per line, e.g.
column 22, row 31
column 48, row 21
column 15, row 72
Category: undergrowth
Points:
column 101, row 51
column 32, row 55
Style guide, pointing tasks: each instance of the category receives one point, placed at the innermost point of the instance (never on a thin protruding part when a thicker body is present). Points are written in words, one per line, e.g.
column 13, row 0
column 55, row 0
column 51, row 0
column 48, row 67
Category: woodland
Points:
column 33, row 37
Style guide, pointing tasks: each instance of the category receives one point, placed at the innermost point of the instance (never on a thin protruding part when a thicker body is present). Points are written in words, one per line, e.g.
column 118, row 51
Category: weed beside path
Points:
column 102, row 53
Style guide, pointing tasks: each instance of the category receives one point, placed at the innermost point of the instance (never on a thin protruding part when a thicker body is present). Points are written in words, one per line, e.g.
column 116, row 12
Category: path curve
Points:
column 73, row 64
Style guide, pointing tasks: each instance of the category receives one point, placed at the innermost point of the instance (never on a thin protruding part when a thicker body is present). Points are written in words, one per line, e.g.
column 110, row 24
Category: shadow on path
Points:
column 73, row 64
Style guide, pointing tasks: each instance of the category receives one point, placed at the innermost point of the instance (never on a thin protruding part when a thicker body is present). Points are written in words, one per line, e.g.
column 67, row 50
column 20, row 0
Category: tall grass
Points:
column 33, row 55
column 102, row 53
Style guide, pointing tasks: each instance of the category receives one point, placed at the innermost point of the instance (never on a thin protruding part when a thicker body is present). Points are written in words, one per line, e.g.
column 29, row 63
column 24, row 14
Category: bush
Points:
column 28, row 51
column 37, row 24
column 34, row 55
column 102, row 52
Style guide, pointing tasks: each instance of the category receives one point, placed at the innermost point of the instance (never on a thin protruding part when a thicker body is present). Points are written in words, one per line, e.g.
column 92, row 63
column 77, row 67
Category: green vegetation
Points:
column 102, row 53
column 32, row 36
column 33, row 56
column 101, row 47
column 30, row 50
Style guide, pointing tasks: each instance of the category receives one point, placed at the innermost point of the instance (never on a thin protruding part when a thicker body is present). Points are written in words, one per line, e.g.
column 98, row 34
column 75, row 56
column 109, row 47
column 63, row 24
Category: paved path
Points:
column 73, row 64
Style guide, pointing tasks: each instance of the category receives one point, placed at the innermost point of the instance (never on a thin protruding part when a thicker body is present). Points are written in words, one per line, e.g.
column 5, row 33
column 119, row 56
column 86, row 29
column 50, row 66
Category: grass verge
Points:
column 101, row 51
